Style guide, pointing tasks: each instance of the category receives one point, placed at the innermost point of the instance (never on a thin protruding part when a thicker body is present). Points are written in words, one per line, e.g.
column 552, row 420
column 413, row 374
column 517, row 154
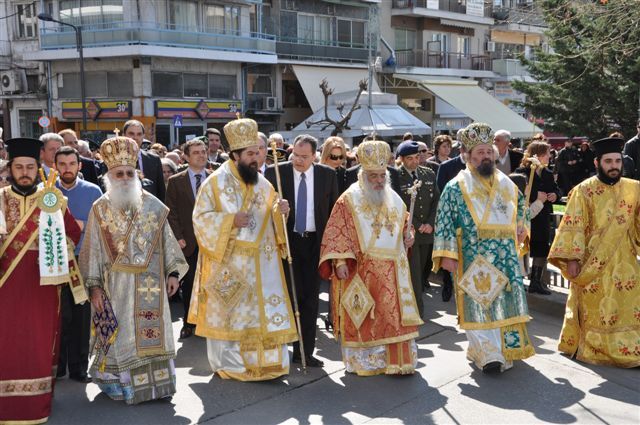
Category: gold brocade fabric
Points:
column 601, row 230
column 239, row 291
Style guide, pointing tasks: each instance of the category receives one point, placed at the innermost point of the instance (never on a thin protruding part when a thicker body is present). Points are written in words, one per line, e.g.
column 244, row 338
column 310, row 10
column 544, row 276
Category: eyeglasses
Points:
column 129, row 173
column 422, row 151
column 336, row 157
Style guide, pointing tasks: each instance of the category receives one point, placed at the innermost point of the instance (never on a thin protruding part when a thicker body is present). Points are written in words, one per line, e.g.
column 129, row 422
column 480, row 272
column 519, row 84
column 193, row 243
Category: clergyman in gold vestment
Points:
column 596, row 248
column 240, row 301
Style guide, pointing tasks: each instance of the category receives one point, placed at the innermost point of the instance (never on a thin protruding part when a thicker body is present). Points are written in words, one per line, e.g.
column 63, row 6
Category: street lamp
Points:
column 48, row 18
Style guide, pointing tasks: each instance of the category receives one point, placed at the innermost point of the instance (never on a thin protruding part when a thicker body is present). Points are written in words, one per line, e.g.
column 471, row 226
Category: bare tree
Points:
column 343, row 123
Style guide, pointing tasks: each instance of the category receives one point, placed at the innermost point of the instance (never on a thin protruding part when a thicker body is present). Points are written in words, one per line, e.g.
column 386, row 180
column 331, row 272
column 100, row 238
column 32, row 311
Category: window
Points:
column 314, row 29
column 464, row 46
column 222, row 19
column 351, row 33
column 120, row 83
column 443, row 40
column 91, row 12
column 288, row 25
column 27, row 20
column 167, row 84
column 183, row 14
column 195, row 85
column 405, row 39
column 222, row 86
column 117, row 84
column 259, row 84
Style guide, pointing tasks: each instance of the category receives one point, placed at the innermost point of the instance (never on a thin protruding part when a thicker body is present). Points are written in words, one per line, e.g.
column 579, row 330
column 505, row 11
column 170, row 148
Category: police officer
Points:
column 424, row 214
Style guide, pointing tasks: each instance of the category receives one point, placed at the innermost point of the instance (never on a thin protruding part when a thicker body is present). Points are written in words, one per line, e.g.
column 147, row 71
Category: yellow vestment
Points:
column 240, row 300
column 601, row 230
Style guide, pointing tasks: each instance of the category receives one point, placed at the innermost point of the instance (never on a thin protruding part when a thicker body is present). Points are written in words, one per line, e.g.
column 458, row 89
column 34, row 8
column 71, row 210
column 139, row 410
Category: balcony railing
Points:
column 301, row 49
column 154, row 33
column 454, row 6
column 509, row 67
column 430, row 59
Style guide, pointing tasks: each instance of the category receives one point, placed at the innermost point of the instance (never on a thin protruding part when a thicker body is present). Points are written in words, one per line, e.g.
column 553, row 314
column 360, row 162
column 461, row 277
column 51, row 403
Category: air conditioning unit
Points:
column 491, row 46
column 270, row 103
column 12, row 81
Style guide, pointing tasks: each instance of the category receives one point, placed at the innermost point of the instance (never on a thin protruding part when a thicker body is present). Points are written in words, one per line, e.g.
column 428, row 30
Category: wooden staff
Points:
column 290, row 262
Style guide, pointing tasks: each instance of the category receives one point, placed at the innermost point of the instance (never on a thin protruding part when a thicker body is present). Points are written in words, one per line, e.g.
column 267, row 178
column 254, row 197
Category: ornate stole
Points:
column 380, row 236
column 493, row 207
column 18, row 242
column 131, row 242
column 226, row 281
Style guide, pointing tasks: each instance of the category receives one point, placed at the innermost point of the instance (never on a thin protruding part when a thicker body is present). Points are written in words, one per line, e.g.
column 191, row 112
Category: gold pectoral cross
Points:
column 149, row 289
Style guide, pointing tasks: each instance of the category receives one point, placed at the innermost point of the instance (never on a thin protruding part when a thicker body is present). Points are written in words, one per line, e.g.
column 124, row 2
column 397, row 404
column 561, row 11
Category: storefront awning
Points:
column 340, row 80
column 477, row 104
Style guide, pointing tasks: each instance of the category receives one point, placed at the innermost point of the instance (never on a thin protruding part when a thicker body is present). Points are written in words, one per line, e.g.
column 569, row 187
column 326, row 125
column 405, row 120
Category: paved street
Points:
column 546, row 388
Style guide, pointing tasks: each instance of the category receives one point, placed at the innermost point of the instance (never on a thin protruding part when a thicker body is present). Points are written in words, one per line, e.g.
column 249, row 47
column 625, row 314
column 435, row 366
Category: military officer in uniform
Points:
column 424, row 214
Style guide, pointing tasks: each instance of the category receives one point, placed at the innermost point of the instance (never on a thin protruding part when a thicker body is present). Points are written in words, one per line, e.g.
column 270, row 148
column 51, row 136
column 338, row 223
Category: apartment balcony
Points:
column 509, row 68
column 452, row 10
column 298, row 49
column 182, row 41
column 442, row 60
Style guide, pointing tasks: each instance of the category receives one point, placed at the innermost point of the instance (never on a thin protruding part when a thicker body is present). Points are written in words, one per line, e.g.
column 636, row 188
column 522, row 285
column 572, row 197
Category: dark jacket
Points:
column 632, row 150
column 448, row 170
column 180, row 200
column 540, row 224
column 90, row 170
column 351, row 176
column 426, row 200
column 152, row 170
column 325, row 193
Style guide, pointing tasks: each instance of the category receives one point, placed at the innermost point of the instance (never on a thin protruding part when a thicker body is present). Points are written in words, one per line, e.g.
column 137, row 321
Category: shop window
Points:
column 222, row 86
column 167, row 84
column 195, row 85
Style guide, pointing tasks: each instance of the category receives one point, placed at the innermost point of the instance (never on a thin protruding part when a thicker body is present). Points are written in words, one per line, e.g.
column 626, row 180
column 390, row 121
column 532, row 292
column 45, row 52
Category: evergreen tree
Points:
column 589, row 82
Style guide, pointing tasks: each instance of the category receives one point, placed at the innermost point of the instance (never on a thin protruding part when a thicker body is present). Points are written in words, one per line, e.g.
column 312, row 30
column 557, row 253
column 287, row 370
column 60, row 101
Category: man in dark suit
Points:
column 148, row 163
column 181, row 194
column 508, row 159
column 449, row 169
column 424, row 216
column 90, row 168
column 311, row 190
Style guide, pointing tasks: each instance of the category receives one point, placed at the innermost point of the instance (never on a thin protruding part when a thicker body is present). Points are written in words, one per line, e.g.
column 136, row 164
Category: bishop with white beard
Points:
column 131, row 263
column 363, row 252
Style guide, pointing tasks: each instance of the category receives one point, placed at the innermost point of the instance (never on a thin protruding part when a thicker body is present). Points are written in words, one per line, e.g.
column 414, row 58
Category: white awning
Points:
column 340, row 80
column 477, row 104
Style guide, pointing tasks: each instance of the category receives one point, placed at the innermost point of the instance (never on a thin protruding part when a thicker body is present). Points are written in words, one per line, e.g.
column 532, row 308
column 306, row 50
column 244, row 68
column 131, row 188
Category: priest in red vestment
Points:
column 35, row 259
column 363, row 252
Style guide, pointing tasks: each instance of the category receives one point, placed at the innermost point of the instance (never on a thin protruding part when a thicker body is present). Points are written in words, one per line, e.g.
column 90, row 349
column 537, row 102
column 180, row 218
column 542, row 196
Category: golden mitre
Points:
column 374, row 155
column 241, row 133
column 475, row 134
column 118, row 151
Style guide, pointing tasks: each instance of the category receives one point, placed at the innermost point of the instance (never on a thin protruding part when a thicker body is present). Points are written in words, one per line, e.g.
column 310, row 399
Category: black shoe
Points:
column 314, row 362
column 327, row 324
column 60, row 373
column 80, row 377
column 296, row 358
column 186, row 332
column 535, row 285
column 492, row 368
column 447, row 291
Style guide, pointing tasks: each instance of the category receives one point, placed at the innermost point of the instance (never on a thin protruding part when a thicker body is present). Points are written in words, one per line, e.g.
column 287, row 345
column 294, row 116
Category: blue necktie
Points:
column 198, row 182
column 301, row 206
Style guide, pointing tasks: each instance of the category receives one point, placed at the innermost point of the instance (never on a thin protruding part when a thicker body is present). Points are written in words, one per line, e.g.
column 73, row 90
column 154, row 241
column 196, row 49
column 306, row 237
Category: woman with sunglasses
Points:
column 334, row 154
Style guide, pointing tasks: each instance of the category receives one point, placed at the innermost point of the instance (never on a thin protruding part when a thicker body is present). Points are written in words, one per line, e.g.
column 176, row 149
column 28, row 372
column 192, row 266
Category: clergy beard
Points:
column 376, row 197
column 27, row 188
column 124, row 194
column 605, row 178
column 486, row 168
column 248, row 172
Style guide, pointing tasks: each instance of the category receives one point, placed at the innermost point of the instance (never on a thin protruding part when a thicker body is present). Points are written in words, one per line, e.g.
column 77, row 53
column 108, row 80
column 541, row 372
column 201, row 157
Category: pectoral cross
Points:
column 149, row 289
column 116, row 132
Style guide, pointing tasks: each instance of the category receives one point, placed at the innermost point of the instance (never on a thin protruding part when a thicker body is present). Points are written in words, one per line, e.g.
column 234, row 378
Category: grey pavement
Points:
column 547, row 388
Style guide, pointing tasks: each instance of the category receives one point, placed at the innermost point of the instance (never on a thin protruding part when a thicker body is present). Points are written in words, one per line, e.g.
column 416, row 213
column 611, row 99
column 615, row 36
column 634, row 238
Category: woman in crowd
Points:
column 334, row 154
column 442, row 145
column 544, row 186
column 169, row 168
